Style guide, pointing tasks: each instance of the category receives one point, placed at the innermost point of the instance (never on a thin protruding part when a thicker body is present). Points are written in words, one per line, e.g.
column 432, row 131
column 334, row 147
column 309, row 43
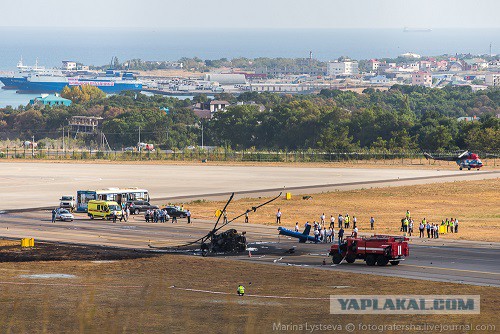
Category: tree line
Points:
column 402, row 118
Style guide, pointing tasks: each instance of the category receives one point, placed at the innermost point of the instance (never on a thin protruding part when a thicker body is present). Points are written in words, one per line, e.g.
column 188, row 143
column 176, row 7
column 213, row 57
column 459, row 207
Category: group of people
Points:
column 322, row 234
column 451, row 226
column 158, row 216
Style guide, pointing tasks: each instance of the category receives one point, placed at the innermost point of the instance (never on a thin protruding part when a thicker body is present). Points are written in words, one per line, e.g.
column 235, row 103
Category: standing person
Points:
column 372, row 222
column 246, row 217
column 123, row 215
column 322, row 218
column 355, row 232
column 341, row 234
column 127, row 213
column 456, row 225
column 332, row 221
column 421, row 228
column 278, row 217
column 146, row 216
column 354, row 221
column 436, row 231
column 428, row 228
column 347, row 220
column 114, row 217
column 340, row 220
column 322, row 234
column 406, row 223
column 53, row 216
column 297, row 227
column 410, row 227
column 332, row 234
column 408, row 216
column 224, row 217
column 447, row 223
column 174, row 219
column 316, row 235
column 188, row 215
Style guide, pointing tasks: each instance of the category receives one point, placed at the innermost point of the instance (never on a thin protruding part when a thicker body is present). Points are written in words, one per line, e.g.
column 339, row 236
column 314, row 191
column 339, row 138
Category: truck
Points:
column 377, row 249
column 67, row 202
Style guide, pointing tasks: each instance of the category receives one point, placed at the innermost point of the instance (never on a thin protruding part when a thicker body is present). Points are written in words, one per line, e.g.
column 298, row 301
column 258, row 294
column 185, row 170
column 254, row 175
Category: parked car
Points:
column 175, row 211
column 64, row 215
column 67, row 202
column 137, row 207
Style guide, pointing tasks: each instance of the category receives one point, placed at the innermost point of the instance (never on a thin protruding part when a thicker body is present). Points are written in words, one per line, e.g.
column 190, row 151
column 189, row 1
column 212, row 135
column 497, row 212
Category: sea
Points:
column 98, row 46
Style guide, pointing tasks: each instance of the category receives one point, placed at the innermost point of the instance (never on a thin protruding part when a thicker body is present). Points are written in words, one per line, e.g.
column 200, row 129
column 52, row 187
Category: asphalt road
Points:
column 437, row 260
column 37, row 185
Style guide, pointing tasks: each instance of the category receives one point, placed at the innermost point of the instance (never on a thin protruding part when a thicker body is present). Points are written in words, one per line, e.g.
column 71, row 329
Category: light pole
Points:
column 202, row 134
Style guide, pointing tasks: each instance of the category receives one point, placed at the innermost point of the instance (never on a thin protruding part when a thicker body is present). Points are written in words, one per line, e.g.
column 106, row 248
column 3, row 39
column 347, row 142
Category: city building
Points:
column 342, row 68
column 69, row 65
column 492, row 79
column 373, row 65
column 421, row 78
column 226, row 78
column 50, row 100
column 84, row 124
column 410, row 55
column 379, row 79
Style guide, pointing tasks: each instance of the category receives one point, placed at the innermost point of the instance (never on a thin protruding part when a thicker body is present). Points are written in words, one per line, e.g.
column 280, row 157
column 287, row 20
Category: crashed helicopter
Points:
column 227, row 242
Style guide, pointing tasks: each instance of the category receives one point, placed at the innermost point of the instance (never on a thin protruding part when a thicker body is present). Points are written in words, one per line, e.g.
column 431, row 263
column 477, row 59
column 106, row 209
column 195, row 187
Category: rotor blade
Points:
column 254, row 208
column 461, row 155
column 206, row 236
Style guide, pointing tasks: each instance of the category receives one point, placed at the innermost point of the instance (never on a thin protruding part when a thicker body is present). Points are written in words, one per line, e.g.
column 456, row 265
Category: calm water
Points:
column 10, row 98
column 98, row 46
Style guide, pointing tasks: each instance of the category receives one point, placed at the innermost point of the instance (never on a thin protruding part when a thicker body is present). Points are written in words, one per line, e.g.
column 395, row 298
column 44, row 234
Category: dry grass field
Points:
column 136, row 296
column 475, row 203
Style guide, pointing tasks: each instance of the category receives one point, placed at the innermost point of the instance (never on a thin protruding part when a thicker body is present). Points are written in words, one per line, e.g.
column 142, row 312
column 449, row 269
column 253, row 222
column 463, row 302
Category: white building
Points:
column 492, row 79
column 342, row 68
column 69, row 65
column 226, row 78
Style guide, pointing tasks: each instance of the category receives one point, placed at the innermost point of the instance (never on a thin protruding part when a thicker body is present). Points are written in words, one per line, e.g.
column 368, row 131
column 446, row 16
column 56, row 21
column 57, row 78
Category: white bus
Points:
column 119, row 195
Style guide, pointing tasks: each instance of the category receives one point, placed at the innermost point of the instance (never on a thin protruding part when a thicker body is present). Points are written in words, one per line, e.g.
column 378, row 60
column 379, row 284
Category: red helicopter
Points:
column 465, row 160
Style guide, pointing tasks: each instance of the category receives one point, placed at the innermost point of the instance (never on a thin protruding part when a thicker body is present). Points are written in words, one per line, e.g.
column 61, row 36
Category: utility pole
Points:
column 139, row 135
column 33, row 146
column 202, row 134
column 63, row 137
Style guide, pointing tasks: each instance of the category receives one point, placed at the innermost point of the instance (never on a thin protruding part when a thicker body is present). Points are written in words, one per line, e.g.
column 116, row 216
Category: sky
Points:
column 238, row 14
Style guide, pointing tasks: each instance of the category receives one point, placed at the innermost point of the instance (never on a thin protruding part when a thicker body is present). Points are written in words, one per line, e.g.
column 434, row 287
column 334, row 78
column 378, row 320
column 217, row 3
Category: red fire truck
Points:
column 377, row 249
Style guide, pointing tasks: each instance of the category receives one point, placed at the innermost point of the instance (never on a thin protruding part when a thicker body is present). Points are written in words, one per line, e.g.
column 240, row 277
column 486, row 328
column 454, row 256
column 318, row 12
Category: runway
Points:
column 40, row 185
column 438, row 260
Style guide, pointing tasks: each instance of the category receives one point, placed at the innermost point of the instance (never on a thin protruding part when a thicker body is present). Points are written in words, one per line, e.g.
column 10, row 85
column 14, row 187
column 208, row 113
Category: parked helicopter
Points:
column 465, row 160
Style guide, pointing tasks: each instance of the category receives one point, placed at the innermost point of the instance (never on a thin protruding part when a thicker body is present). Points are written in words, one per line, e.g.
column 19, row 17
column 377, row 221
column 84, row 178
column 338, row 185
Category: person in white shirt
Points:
column 296, row 226
column 278, row 217
column 322, row 218
column 355, row 232
column 332, row 221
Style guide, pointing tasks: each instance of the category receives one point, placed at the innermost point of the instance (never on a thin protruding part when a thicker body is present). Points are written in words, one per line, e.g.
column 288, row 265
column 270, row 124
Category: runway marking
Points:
column 248, row 295
column 67, row 284
column 452, row 269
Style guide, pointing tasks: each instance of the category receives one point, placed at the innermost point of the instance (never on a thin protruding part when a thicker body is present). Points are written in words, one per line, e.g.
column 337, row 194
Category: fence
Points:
column 391, row 158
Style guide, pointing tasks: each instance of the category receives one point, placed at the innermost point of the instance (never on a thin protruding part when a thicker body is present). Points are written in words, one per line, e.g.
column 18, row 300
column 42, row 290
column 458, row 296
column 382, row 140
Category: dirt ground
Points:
column 10, row 251
column 146, row 296
column 475, row 203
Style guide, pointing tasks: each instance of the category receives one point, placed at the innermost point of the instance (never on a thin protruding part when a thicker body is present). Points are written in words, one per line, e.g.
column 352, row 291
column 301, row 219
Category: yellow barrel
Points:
column 442, row 229
column 24, row 242
column 288, row 196
column 31, row 242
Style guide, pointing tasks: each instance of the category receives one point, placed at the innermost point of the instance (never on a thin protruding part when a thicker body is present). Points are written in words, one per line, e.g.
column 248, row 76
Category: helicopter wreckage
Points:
column 226, row 242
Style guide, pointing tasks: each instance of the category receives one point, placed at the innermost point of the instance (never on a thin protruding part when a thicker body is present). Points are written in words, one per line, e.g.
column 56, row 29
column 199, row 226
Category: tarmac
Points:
column 464, row 262
column 25, row 185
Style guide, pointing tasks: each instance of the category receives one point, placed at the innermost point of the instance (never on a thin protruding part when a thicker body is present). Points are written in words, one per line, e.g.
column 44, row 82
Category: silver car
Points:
column 64, row 215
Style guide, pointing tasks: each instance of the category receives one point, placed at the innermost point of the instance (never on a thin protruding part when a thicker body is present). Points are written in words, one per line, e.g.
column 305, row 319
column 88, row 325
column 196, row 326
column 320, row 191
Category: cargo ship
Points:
column 112, row 82
column 15, row 80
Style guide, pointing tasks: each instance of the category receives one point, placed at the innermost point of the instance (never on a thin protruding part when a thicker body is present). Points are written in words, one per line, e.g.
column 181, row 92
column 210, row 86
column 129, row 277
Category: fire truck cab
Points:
column 377, row 249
